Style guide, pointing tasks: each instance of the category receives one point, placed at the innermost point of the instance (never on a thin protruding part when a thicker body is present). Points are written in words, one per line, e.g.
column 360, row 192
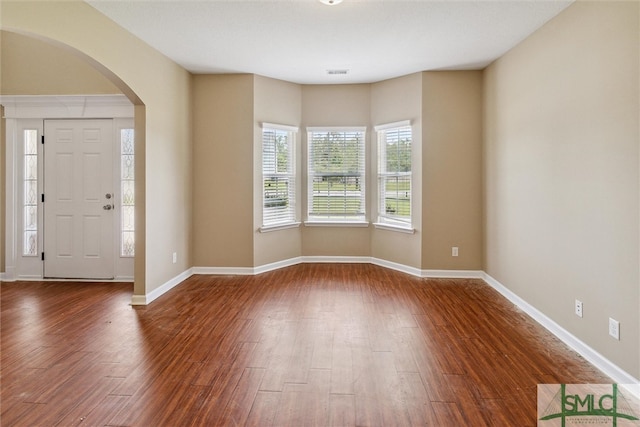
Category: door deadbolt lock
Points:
column 108, row 196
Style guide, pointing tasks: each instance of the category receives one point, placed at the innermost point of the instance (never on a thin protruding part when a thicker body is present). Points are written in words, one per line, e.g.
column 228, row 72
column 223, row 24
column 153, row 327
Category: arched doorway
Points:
column 160, row 91
column 37, row 108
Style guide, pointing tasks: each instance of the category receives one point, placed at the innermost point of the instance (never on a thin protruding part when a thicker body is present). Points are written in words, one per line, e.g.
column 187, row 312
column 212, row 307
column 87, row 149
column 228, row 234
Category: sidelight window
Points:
column 30, row 197
column 127, row 195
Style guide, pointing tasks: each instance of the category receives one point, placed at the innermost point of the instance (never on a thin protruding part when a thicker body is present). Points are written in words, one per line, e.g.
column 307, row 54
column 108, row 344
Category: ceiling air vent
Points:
column 337, row 72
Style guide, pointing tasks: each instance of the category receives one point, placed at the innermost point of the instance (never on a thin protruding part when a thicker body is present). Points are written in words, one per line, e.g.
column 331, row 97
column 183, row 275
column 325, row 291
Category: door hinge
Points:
column 42, row 139
column 42, row 257
column 42, row 197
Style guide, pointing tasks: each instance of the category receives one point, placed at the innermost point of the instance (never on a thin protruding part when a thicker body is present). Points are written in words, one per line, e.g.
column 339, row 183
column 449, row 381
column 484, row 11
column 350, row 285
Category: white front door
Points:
column 78, row 199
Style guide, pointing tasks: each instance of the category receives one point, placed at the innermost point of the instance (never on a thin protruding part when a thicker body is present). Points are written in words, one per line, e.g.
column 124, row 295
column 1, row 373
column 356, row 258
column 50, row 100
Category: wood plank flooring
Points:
column 309, row 345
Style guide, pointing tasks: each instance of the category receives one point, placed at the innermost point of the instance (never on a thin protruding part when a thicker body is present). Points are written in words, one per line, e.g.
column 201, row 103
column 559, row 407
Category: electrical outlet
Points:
column 454, row 251
column 175, row 257
column 578, row 308
column 614, row 328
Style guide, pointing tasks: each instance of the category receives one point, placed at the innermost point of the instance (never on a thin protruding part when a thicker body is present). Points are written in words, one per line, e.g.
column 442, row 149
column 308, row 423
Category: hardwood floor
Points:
column 313, row 344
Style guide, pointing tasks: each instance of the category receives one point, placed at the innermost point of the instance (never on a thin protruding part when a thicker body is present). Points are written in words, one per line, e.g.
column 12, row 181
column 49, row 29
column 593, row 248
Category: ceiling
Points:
column 300, row 40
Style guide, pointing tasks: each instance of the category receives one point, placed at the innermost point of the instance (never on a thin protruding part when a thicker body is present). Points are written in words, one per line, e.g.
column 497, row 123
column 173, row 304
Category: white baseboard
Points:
column 30, row 278
column 244, row 271
column 277, row 265
column 7, row 277
column 161, row 290
column 9, row 274
column 453, row 274
column 397, row 267
column 39, row 278
column 599, row 361
column 336, row 259
column 449, row 274
column 224, row 271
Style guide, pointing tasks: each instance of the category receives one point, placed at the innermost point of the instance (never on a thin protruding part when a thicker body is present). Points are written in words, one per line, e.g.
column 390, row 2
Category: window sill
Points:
column 277, row 227
column 394, row 227
column 320, row 223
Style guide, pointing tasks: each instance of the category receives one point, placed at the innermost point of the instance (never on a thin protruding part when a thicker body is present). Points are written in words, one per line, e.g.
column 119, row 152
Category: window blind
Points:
column 394, row 175
column 278, row 175
column 336, row 175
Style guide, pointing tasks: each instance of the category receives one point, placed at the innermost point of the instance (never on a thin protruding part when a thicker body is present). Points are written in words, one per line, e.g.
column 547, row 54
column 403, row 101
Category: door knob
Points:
column 107, row 207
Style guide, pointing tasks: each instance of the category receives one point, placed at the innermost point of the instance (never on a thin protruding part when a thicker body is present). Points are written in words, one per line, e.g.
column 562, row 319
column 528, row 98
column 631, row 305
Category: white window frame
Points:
column 386, row 219
column 286, row 218
column 344, row 219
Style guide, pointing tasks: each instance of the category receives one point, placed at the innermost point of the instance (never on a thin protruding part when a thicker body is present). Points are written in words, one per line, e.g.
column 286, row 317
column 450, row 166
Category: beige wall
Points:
column 161, row 91
column 452, row 170
column 223, row 170
column 3, row 145
column 336, row 105
column 392, row 101
column 227, row 164
column 562, row 167
column 33, row 67
column 277, row 102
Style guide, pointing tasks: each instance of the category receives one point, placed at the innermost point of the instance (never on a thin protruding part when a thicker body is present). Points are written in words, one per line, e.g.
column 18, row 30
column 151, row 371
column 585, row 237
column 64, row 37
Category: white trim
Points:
column 10, row 214
column 337, row 223
column 277, row 265
column 249, row 271
column 633, row 388
column 71, row 280
column 453, row 274
column 310, row 129
column 225, row 271
column 35, row 278
column 161, row 290
column 9, row 274
column 449, row 274
column 400, row 124
column 285, row 128
column 246, row 271
column 599, row 361
column 337, row 259
column 398, row 267
column 276, row 227
column 65, row 106
column 393, row 227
